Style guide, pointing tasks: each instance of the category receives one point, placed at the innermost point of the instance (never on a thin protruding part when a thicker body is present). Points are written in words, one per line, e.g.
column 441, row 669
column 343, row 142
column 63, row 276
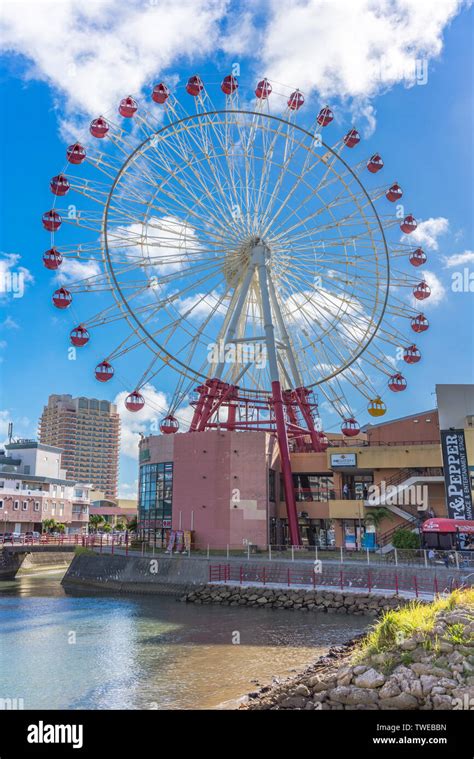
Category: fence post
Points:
column 210, row 573
column 342, row 555
column 316, row 552
column 112, row 545
column 227, row 554
column 264, row 576
column 396, row 583
column 143, row 549
column 269, row 552
column 292, row 553
column 241, row 574
column 436, row 590
column 415, row 581
column 368, row 556
column 457, row 559
column 126, row 543
column 426, row 557
column 314, row 579
column 101, row 543
column 342, row 579
column 289, row 578
column 248, row 551
column 396, row 557
column 369, row 581
column 208, row 550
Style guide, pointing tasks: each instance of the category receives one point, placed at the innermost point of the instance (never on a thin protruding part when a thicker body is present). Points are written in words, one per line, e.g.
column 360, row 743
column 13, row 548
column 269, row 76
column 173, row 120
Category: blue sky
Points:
column 424, row 133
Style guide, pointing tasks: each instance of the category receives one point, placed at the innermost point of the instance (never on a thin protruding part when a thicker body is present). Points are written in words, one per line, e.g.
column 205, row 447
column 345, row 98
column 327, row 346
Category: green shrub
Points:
column 403, row 538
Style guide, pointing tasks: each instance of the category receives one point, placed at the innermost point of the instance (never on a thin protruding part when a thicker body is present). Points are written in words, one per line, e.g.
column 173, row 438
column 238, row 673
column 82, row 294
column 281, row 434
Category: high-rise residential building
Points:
column 88, row 432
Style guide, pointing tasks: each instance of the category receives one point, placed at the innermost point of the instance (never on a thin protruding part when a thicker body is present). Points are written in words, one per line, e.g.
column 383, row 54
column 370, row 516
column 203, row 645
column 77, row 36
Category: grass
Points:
column 416, row 617
column 80, row 550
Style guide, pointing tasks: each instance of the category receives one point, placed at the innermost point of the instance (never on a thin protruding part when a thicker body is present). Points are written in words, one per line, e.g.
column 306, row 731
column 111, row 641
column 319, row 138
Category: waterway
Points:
column 80, row 649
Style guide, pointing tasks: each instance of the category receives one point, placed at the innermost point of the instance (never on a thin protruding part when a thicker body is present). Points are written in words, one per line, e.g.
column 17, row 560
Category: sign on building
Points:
column 456, row 474
column 343, row 459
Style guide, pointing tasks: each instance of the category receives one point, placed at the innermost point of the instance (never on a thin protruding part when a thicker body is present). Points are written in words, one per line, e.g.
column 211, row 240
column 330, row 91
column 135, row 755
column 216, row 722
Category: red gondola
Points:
column 62, row 298
column 263, row 89
column 411, row 355
column 51, row 221
column 52, row 258
column 394, row 193
column 375, row 163
column 352, row 138
column 295, row 101
column 128, row 107
column 325, row 116
column 99, row 127
column 418, row 257
column 79, row 336
column 160, row 93
column 76, row 153
column 228, row 86
column 194, row 86
column 59, row 185
column 408, row 224
column 169, row 425
column 104, row 371
column 419, row 323
column 397, row 383
column 350, row 427
column 422, row 291
column 134, row 401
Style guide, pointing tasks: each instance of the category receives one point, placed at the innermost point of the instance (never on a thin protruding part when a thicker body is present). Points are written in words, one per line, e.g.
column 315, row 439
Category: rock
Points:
column 359, row 669
column 339, row 694
column 409, row 645
column 369, row 679
column 361, row 696
column 402, row 701
column 293, row 702
column 442, row 702
column 389, row 689
column 427, row 683
column 445, row 647
column 262, row 600
column 301, row 690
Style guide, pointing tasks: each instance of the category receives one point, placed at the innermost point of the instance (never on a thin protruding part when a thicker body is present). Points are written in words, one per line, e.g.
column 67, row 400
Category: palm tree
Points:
column 120, row 526
column 60, row 527
column 49, row 525
column 95, row 520
column 106, row 527
column 376, row 516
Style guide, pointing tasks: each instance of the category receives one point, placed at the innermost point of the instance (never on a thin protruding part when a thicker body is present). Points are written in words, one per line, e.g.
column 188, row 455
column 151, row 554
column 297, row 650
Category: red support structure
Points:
column 396, row 583
column 436, row 591
column 415, row 582
column 292, row 513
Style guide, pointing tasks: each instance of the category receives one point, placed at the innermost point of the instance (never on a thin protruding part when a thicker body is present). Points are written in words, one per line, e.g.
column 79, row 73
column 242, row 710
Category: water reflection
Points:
column 85, row 650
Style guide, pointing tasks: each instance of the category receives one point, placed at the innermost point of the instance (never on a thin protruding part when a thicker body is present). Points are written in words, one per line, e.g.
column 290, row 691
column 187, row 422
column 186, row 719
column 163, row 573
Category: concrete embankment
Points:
column 16, row 559
column 176, row 574
column 137, row 575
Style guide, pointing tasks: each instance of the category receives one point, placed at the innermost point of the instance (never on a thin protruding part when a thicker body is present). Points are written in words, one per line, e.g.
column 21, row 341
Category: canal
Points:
column 77, row 649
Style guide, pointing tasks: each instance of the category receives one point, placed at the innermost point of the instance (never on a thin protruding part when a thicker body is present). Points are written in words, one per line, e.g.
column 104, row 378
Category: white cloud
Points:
column 353, row 49
column 9, row 323
column 200, row 305
column 134, row 423
column 21, row 425
column 13, row 277
column 438, row 291
column 459, row 259
column 73, row 270
column 98, row 52
column 128, row 490
column 427, row 232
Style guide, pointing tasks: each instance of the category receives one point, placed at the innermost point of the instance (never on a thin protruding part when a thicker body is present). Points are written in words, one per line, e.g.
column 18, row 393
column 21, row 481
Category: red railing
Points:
column 364, row 580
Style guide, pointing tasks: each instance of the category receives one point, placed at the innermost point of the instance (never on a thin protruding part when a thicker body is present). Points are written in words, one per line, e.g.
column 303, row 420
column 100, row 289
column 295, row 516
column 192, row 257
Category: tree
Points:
column 95, row 520
column 49, row 525
column 106, row 527
column 132, row 525
column 403, row 538
column 60, row 527
column 120, row 525
column 376, row 516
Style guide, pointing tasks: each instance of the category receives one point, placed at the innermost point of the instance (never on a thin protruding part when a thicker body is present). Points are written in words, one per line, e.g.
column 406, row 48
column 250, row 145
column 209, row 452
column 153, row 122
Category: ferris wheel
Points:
column 233, row 245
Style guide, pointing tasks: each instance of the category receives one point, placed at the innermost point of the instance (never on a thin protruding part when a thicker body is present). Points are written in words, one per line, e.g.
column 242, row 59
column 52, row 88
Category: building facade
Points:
column 226, row 487
column 88, row 432
column 34, row 487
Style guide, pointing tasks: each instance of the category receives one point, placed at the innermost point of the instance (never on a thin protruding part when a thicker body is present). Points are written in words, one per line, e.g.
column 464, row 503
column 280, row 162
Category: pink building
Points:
column 220, row 485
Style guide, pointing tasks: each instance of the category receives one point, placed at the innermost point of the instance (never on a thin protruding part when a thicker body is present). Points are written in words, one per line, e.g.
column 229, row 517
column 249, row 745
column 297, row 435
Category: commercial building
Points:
column 88, row 432
column 226, row 486
column 34, row 487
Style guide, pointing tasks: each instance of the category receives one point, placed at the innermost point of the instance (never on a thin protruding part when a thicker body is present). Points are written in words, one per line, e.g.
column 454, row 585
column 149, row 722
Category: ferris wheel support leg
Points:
column 259, row 258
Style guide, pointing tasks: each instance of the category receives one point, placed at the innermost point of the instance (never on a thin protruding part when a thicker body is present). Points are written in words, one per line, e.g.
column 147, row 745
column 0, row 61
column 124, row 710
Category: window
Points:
column 1, row 504
column 271, row 485
column 37, row 506
column 16, row 505
column 2, row 484
column 313, row 487
column 25, row 505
